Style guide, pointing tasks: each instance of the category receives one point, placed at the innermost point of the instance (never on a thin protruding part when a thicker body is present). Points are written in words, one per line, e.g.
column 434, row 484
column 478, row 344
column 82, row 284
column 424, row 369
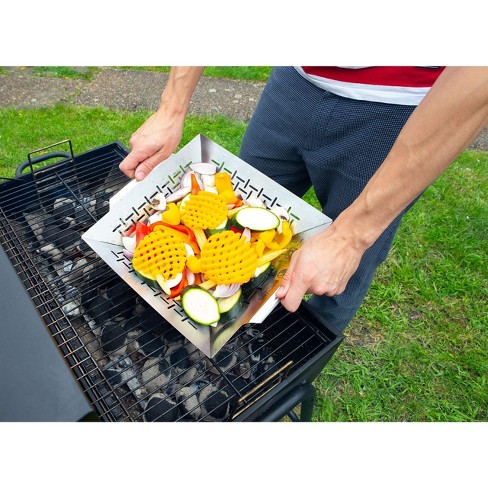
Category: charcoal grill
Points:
column 77, row 343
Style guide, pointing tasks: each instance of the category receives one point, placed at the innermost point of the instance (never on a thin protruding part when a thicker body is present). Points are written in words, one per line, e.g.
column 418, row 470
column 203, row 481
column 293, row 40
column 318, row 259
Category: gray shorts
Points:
column 302, row 136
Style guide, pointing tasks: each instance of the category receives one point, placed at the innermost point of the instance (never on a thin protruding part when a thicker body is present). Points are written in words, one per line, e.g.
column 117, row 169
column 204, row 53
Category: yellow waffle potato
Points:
column 160, row 253
column 205, row 210
column 226, row 258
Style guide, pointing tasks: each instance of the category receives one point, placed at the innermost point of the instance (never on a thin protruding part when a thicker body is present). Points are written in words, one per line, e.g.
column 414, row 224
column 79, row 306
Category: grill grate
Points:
column 130, row 362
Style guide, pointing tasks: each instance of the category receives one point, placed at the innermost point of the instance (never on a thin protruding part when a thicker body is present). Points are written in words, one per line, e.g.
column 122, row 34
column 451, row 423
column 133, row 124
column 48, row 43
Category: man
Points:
column 370, row 140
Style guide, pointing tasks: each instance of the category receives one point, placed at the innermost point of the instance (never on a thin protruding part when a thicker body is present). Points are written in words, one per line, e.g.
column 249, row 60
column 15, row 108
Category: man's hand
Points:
column 452, row 113
column 151, row 144
column 160, row 135
column 322, row 266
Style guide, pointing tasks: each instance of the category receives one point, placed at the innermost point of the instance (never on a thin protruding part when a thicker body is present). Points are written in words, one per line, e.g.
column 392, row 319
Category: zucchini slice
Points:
column 149, row 281
column 256, row 218
column 200, row 305
column 220, row 228
column 230, row 307
column 262, row 274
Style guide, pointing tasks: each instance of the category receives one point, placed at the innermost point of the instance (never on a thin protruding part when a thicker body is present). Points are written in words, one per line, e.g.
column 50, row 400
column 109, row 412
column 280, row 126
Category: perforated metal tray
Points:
column 132, row 204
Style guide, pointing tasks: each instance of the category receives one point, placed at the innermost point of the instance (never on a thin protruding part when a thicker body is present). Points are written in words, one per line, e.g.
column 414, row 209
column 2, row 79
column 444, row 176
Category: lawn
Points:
column 418, row 347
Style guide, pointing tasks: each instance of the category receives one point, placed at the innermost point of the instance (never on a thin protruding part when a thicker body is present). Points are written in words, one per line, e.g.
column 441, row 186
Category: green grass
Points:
column 249, row 73
column 23, row 131
column 82, row 73
column 245, row 73
column 418, row 347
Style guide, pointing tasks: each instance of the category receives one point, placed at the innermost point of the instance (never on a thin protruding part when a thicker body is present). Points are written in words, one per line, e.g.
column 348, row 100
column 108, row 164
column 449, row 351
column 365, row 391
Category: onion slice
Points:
column 129, row 243
column 158, row 202
column 247, row 234
column 178, row 194
column 190, row 277
column 204, row 168
column 129, row 255
column 186, row 180
column 224, row 291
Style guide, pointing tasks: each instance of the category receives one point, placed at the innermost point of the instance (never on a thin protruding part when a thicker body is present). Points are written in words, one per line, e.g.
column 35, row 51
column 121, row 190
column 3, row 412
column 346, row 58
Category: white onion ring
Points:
column 208, row 180
column 186, row 180
column 178, row 195
column 247, row 234
column 189, row 250
column 224, row 291
column 190, row 277
column 175, row 281
column 129, row 243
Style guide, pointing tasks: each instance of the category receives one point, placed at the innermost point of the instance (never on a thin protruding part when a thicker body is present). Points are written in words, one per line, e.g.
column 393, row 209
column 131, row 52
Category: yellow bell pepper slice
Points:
column 280, row 241
column 172, row 215
column 267, row 236
column 259, row 246
column 193, row 264
column 223, row 181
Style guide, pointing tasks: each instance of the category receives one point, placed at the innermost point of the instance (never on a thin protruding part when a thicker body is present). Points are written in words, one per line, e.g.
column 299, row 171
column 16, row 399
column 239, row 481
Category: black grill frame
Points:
column 289, row 385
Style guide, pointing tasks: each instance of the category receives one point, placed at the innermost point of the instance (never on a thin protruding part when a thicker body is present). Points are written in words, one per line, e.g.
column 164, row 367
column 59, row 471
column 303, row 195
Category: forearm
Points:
column 453, row 112
column 160, row 135
column 179, row 89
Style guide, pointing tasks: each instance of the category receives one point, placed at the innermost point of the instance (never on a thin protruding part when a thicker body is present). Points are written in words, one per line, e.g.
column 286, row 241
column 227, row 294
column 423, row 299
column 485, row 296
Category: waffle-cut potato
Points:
column 205, row 210
column 227, row 258
column 159, row 253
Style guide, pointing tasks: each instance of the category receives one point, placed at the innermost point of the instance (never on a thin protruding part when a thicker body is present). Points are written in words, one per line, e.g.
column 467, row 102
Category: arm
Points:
column 451, row 115
column 160, row 135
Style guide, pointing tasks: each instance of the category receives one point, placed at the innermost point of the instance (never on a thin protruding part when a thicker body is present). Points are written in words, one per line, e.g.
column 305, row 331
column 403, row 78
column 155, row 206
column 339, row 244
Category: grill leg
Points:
column 306, row 406
column 306, row 409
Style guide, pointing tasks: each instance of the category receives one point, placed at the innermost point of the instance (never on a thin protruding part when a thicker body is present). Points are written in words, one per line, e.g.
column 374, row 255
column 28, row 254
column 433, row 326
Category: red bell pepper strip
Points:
column 176, row 290
column 185, row 233
column 129, row 231
column 179, row 227
column 142, row 230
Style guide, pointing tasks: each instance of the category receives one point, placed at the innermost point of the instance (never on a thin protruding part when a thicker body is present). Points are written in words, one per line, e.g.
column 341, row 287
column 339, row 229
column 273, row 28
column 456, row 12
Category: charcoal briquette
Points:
column 113, row 338
column 63, row 207
column 151, row 321
column 122, row 299
column 216, row 405
column 99, row 309
column 156, row 373
column 150, row 345
column 188, row 401
column 179, row 358
column 113, row 376
column 161, row 408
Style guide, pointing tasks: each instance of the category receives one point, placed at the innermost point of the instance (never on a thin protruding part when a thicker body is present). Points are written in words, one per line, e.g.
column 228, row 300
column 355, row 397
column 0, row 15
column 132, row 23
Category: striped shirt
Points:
column 402, row 85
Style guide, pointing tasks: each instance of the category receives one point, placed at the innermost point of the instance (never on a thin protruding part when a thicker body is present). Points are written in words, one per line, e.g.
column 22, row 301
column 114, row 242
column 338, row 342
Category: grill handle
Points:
column 260, row 390
column 44, row 157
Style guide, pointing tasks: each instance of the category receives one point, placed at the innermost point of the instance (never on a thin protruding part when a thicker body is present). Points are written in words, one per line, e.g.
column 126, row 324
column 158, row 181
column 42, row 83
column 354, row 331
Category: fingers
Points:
column 138, row 165
column 129, row 164
column 146, row 166
column 292, row 288
column 285, row 281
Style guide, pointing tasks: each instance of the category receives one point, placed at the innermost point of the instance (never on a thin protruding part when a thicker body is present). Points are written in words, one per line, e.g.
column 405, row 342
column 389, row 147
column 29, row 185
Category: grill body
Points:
column 76, row 344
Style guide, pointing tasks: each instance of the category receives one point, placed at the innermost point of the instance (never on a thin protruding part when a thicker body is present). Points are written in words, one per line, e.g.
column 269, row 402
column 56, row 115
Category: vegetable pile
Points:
column 204, row 244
